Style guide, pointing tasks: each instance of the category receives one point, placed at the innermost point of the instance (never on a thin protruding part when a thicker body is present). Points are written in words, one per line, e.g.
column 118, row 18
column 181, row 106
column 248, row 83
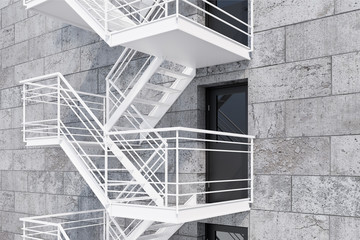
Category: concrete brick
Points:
column 267, row 119
column 74, row 184
column 46, row 182
column 317, row 38
column 323, row 116
column 65, row 62
column 14, row 180
column 237, row 219
column 30, row 27
column 10, row 97
column 290, row 81
column 11, row 139
column 276, row 13
column 184, row 119
column 345, row 6
column 45, row 45
column 61, row 204
column 345, row 72
column 7, row 36
column 326, row 195
column 89, row 203
column 269, row 48
column 7, row 201
column 5, row 118
column 292, row 156
column 11, row 223
column 13, row 13
column 15, row 54
column 84, row 81
column 29, row 70
column 73, row 37
column 98, row 55
column 7, row 77
column 31, row 203
column 5, row 3
column 344, row 228
column 284, row 226
column 7, row 235
column 344, row 155
column 57, row 160
column 6, row 160
column 29, row 159
column 272, row 193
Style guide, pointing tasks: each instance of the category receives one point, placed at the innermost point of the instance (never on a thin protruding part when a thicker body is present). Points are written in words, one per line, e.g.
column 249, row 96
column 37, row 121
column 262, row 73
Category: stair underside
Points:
column 179, row 40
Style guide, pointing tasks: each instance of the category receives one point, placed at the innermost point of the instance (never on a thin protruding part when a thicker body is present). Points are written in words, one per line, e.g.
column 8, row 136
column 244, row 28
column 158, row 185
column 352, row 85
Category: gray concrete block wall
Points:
column 303, row 102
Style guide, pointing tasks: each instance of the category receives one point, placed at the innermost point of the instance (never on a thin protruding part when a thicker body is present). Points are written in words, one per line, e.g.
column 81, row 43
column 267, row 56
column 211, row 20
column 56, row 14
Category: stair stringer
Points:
column 83, row 170
column 139, row 230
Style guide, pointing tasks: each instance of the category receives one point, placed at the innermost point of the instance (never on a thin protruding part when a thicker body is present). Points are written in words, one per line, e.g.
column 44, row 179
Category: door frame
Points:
column 243, row 83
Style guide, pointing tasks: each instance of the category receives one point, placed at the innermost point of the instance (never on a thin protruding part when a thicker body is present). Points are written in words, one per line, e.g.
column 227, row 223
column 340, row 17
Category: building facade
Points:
column 302, row 101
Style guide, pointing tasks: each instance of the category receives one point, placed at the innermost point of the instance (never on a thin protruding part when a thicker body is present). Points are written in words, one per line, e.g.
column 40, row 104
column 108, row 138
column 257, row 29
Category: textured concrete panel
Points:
column 74, row 184
column 29, row 70
column 272, row 193
column 237, row 219
column 290, row 81
column 15, row 54
column 345, row 155
column 5, row 118
column 267, row 119
column 32, row 203
column 46, row 182
column 326, row 195
column 7, row 77
column 73, row 37
column 324, row 37
column 65, row 62
column 61, row 204
column 57, row 160
column 7, row 201
column 345, row 73
column 11, row 223
column 7, row 36
column 13, row 13
column 14, row 180
column 346, row 5
column 276, row 13
column 98, row 55
column 292, row 156
column 285, row 226
column 6, row 160
column 323, row 116
column 344, row 228
column 45, row 45
column 29, row 159
column 10, row 97
column 269, row 48
column 30, row 27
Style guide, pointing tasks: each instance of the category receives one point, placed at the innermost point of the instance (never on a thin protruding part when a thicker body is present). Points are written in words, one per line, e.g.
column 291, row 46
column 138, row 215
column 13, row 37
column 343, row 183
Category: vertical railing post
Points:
column 177, row 9
column 177, row 171
column 58, row 107
column 166, row 175
column 106, row 16
column 252, row 169
column 252, row 24
column 166, row 8
column 107, row 225
column 24, row 230
column 58, row 233
column 24, row 112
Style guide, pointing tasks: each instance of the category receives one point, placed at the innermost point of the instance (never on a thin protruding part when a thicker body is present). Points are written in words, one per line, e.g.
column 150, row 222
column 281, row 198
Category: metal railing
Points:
column 66, row 226
column 192, row 146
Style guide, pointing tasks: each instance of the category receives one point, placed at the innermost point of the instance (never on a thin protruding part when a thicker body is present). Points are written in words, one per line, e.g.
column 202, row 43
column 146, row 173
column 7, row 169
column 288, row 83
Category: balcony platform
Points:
column 176, row 38
column 185, row 213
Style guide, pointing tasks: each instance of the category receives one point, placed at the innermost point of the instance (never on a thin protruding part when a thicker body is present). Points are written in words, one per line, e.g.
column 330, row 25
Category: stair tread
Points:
column 172, row 73
column 137, row 115
column 149, row 102
column 152, row 236
column 134, row 199
column 161, row 225
column 161, row 88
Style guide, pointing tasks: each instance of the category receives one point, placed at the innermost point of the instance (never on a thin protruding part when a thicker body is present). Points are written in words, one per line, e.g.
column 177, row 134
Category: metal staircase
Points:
column 133, row 168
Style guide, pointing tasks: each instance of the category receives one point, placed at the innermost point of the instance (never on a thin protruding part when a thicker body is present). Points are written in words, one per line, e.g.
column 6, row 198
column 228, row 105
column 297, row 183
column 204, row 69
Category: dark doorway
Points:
column 237, row 8
column 222, row 232
column 227, row 111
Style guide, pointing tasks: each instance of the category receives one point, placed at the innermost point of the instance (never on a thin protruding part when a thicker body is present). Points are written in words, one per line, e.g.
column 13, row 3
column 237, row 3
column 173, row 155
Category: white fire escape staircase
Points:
column 133, row 168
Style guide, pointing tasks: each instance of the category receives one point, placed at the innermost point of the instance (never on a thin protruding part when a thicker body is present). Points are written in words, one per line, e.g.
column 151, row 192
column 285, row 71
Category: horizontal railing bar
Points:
column 214, row 181
column 87, row 226
column 30, row 219
column 208, row 192
column 182, row 129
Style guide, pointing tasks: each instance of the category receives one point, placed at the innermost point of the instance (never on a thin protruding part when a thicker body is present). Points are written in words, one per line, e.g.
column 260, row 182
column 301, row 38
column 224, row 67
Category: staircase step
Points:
column 137, row 115
column 85, row 143
column 161, row 88
column 123, row 128
column 134, row 199
column 171, row 73
column 161, row 225
column 152, row 236
column 150, row 102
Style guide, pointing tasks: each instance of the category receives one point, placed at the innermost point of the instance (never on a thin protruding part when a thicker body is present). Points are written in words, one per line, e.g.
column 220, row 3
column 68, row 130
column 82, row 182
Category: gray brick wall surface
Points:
column 304, row 96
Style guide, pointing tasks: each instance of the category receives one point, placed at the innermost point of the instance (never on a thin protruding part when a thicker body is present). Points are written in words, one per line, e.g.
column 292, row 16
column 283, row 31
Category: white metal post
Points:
column 106, row 26
column 58, row 107
column 177, row 170
column 107, row 225
column 24, row 112
column 252, row 169
column 24, row 230
column 252, row 24
column 166, row 176
column 177, row 9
